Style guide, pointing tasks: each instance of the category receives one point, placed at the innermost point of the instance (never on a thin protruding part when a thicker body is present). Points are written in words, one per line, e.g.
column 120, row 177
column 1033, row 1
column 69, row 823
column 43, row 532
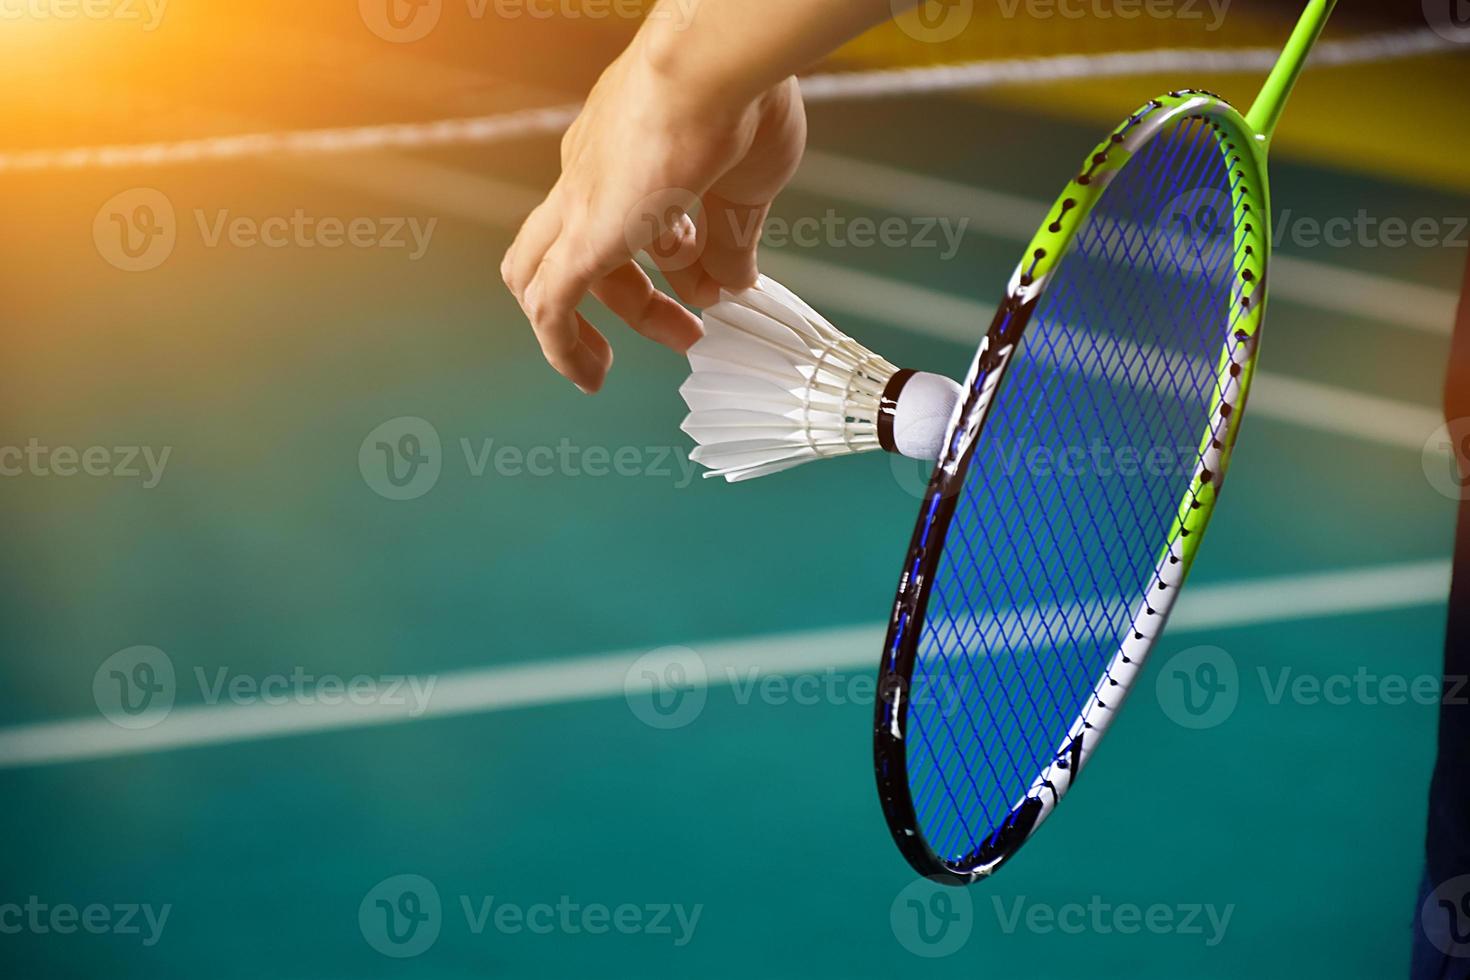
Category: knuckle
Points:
column 535, row 309
column 558, row 357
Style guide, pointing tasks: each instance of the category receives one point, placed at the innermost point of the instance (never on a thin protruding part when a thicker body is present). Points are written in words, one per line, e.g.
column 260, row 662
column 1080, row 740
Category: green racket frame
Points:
column 1244, row 142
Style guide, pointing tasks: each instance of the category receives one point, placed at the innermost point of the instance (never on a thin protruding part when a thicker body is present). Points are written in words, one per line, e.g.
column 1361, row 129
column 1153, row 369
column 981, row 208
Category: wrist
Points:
column 694, row 70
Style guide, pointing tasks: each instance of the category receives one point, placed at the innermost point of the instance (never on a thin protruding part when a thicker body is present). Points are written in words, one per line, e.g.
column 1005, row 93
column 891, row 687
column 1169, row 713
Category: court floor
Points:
column 729, row 829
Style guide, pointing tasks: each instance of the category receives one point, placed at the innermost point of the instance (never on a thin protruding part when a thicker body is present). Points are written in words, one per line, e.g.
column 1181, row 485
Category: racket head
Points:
column 966, row 778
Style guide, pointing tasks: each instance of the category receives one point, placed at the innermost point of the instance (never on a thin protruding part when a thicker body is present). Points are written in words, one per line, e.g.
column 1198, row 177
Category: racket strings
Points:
column 1136, row 353
column 1050, row 636
column 1177, row 292
column 1007, row 627
column 998, row 626
column 1042, row 574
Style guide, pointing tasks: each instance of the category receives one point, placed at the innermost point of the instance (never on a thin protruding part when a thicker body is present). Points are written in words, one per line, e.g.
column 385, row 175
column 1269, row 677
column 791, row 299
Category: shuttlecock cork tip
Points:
column 922, row 408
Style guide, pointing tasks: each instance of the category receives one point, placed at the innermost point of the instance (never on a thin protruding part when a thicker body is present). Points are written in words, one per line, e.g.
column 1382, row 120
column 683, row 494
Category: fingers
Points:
column 733, row 238
column 554, row 262
column 630, row 294
column 548, row 288
column 676, row 253
column 717, row 252
column 570, row 344
column 524, row 255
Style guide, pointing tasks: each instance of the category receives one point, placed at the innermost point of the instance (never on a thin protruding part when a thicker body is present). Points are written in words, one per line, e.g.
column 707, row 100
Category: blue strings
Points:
column 1073, row 487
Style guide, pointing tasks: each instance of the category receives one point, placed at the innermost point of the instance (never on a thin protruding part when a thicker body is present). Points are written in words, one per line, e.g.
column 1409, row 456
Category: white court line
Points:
column 494, row 689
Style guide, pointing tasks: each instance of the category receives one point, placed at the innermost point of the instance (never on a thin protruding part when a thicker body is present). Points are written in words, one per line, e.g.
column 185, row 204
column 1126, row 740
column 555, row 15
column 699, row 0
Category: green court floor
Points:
column 264, row 551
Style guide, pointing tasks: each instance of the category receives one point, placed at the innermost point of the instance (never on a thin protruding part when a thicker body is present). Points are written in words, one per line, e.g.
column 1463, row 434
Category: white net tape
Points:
column 483, row 130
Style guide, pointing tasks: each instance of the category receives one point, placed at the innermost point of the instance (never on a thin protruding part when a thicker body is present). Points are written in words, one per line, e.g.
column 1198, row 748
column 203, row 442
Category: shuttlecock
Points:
column 774, row 385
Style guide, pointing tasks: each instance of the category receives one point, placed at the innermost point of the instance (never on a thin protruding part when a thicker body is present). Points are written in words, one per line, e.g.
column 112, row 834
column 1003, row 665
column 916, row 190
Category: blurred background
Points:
column 344, row 639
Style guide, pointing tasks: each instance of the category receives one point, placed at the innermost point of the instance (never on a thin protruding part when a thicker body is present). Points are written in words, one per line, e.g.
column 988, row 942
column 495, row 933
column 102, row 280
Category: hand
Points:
column 645, row 152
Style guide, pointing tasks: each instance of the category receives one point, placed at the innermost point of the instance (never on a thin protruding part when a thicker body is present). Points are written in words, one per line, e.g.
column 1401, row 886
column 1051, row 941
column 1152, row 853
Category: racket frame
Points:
column 1245, row 152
